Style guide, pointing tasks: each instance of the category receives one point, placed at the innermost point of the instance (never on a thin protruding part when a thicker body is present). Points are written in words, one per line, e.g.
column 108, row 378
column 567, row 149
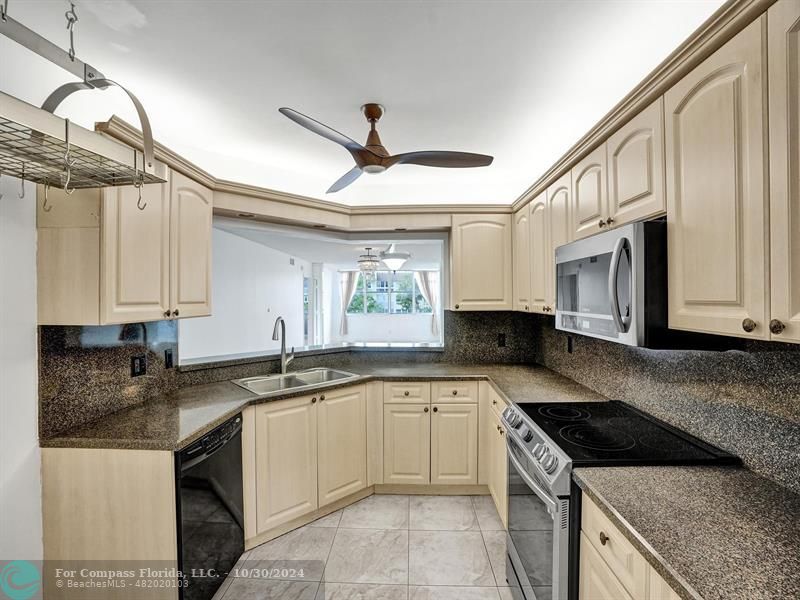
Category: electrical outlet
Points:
column 138, row 365
column 168, row 364
column 501, row 340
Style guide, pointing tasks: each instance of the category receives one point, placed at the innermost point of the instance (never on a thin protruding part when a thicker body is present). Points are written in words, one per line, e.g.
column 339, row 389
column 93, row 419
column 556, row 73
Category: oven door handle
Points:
column 623, row 323
column 552, row 507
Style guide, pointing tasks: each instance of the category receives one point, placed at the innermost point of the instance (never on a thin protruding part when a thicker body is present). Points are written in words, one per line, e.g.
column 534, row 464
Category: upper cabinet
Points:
column 481, row 269
column 784, row 134
column 589, row 194
column 522, row 259
column 636, row 168
column 716, row 192
column 559, row 232
column 107, row 257
column 539, row 244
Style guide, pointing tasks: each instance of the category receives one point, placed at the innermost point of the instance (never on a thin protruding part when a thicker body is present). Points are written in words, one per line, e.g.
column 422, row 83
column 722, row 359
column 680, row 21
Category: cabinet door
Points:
column 406, row 443
column 589, row 194
column 716, row 201
column 191, row 207
column 597, row 581
column 784, row 134
column 540, row 245
column 636, row 167
column 286, row 461
column 342, row 443
column 522, row 259
column 454, row 444
column 657, row 588
column 481, row 262
column 499, row 485
column 559, row 231
column 134, row 256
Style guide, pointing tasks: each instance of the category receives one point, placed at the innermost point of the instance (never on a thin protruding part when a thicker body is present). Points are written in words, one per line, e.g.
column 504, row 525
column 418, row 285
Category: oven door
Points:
column 538, row 533
column 598, row 286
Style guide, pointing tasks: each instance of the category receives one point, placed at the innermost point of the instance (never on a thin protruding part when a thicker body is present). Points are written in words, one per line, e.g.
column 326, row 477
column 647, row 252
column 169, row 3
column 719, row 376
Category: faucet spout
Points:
column 279, row 333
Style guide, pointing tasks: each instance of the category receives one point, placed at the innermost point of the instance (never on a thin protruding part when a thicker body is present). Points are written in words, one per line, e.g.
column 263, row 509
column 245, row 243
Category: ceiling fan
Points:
column 373, row 157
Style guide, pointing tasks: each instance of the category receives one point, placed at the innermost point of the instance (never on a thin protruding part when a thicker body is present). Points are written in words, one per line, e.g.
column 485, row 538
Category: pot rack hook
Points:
column 22, row 183
column 67, row 161
column 45, row 206
column 72, row 18
column 138, row 181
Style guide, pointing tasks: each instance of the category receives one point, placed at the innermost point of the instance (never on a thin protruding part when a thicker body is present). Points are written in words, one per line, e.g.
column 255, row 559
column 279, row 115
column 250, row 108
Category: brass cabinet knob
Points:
column 603, row 538
column 609, row 221
column 322, row 397
column 406, row 393
column 601, row 223
column 776, row 326
column 426, row 409
column 748, row 325
column 167, row 313
column 502, row 432
column 526, row 307
column 314, row 400
column 457, row 306
column 435, row 409
column 494, row 402
column 175, row 313
column 455, row 392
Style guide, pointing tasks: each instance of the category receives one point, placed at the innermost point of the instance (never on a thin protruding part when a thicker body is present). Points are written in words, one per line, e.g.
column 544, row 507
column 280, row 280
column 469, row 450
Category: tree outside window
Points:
column 388, row 292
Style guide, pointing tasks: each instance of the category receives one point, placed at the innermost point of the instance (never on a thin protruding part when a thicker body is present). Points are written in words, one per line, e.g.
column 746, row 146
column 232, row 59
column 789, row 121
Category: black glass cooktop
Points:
column 596, row 433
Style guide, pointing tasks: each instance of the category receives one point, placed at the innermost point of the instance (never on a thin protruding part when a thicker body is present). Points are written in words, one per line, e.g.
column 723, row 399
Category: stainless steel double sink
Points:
column 269, row 385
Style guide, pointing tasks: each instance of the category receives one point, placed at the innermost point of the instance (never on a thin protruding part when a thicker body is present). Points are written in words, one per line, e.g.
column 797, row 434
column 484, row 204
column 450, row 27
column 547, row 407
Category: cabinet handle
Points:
column 601, row 223
column 609, row 221
column 526, row 307
column 776, row 326
column 405, row 393
column 426, row 409
column 457, row 306
column 748, row 325
column 603, row 538
column 455, row 392
column 494, row 402
column 435, row 409
column 314, row 400
column 322, row 398
column 167, row 313
column 502, row 433
column 175, row 313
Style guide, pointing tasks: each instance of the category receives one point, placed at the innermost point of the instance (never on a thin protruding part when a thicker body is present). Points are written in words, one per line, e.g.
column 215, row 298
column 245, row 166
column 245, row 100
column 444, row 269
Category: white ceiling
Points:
column 519, row 80
column 340, row 251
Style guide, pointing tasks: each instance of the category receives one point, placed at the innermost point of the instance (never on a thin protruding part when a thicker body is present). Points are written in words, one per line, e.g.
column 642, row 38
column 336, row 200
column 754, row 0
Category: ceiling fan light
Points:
column 373, row 169
column 394, row 260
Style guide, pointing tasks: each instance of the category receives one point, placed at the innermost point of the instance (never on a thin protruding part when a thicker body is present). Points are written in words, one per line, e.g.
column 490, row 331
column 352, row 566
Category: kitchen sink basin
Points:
column 298, row 380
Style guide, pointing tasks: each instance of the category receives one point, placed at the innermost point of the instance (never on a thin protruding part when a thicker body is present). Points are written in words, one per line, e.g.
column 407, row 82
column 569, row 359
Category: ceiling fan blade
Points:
column 321, row 129
column 439, row 158
column 345, row 180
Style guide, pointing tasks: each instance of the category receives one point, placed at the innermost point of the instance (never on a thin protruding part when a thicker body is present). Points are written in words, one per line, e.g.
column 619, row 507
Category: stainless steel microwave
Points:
column 613, row 285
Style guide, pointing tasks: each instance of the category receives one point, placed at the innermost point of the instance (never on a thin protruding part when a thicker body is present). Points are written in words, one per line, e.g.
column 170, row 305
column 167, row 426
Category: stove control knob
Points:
column 539, row 451
column 527, row 434
column 549, row 464
column 514, row 419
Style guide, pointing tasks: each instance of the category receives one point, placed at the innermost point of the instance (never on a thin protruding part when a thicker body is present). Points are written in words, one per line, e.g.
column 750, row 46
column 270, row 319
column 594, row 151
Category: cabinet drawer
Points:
column 406, row 392
column 460, row 392
column 623, row 559
column 498, row 403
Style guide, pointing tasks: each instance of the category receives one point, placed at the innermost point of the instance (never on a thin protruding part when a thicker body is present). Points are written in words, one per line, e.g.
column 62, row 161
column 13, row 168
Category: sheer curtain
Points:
column 348, row 289
column 428, row 282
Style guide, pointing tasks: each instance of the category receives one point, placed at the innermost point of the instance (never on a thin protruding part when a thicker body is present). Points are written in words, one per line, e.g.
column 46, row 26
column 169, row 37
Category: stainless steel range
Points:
column 545, row 442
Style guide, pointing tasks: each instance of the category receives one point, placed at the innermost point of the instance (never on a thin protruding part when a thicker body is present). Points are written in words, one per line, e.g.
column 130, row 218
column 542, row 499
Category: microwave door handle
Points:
column 622, row 323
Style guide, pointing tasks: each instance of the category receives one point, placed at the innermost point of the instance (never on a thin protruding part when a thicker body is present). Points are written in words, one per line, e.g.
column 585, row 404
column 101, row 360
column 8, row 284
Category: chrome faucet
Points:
column 279, row 333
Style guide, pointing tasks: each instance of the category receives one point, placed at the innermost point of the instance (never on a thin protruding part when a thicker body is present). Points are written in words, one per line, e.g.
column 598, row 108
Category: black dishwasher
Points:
column 210, row 509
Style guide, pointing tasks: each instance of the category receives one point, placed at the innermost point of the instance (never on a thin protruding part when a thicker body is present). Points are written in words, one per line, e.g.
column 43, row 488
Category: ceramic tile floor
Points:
column 385, row 547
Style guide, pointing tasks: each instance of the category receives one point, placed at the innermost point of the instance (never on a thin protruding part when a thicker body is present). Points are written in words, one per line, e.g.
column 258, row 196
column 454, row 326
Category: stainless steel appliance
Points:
column 210, row 507
column 545, row 442
column 613, row 285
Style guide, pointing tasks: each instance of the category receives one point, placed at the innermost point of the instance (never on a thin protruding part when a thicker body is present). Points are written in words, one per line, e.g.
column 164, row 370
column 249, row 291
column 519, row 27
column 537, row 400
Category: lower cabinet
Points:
column 611, row 568
column 454, row 444
column 406, row 443
column 301, row 454
column 498, row 465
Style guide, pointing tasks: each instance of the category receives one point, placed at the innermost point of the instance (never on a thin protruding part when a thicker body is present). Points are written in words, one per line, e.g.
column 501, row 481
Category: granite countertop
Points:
column 712, row 532
column 173, row 421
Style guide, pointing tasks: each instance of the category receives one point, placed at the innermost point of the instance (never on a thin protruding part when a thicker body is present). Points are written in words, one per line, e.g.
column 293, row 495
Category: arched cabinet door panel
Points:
column 522, row 259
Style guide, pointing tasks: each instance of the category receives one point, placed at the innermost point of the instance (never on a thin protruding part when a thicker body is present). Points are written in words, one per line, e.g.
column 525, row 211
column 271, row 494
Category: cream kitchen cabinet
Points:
column 498, row 465
column 407, row 443
column 480, row 262
column 590, row 194
column 454, row 444
column 101, row 259
column 783, row 38
column 550, row 227
column 717, row 205
column 522, row 259
column 539, row 244
column 342, row 443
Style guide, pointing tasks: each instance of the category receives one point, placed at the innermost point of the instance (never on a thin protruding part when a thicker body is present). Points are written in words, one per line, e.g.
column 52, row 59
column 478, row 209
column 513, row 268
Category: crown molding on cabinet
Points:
column 718, row 29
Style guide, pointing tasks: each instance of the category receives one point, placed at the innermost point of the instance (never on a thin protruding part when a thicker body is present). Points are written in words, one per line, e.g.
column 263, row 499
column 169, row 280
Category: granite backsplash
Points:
column 84, row 372
column 746, row 402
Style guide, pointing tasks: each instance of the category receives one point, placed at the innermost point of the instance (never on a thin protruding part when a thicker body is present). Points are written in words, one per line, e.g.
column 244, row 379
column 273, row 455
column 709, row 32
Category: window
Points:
column 388, row 292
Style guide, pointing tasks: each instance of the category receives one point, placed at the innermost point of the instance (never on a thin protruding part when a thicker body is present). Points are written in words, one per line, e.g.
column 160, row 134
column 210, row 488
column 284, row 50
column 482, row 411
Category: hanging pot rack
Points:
column 36, row 145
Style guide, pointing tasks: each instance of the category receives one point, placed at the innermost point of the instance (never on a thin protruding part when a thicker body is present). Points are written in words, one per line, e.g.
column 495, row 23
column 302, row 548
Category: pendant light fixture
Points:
column 368, row 263
column 394, row 260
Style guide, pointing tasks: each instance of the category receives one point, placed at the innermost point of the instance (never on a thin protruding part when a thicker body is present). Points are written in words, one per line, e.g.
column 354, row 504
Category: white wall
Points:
column 252, row 286
column 20, row 480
